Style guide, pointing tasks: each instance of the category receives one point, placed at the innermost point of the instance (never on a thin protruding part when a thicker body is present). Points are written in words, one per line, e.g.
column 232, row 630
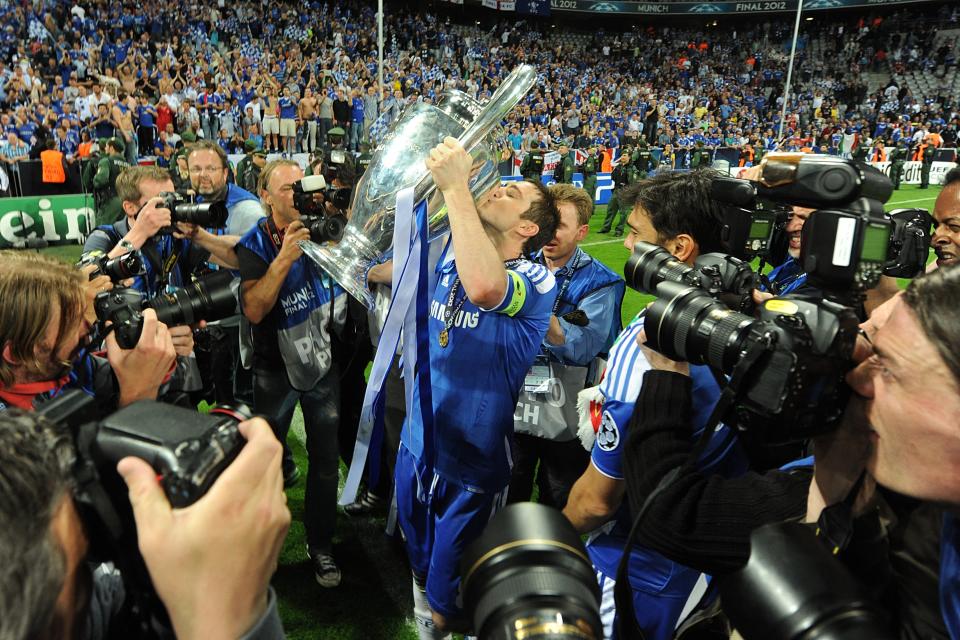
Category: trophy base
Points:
column 347, row 262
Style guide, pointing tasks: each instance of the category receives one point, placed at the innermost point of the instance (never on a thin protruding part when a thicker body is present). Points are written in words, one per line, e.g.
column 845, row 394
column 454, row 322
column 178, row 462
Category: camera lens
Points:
column 528, row 576
column 649, row 265
column 212, row 215
column 210, row 298
column 122, row 267
column 685, row 323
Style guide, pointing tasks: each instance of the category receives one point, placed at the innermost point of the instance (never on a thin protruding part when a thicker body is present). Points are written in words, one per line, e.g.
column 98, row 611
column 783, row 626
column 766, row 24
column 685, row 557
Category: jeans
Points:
column 325, row 125
column 276, row 399
column 356, row 133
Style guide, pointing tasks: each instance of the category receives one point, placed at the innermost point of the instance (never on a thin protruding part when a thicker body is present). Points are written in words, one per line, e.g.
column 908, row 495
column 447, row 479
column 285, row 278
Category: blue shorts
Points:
column 438, row 520
column 657, row 614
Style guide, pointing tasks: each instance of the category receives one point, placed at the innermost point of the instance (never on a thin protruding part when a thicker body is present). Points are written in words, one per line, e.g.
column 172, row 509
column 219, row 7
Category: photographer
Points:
column 584, row 324
column 209, row 169
column 897, row 429
column 45, row 318
column 294, row 309
column 210, row 563
column 170, row 258
column 675, row 211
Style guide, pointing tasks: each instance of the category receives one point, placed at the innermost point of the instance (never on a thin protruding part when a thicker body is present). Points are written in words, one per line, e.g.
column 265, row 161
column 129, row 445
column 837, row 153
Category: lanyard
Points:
column 450, row 311
column 566, row 282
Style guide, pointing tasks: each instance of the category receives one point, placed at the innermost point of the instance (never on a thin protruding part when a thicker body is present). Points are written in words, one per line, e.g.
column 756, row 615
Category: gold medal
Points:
column 444, row 338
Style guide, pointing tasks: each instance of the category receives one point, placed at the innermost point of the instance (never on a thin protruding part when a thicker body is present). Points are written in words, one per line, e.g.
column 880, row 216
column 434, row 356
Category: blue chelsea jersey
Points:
column 477, row 377
column 620, row 388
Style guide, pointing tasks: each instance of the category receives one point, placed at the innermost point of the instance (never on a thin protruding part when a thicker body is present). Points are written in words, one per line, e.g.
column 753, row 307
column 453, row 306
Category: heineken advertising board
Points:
column 56, row 219
column 716, row 8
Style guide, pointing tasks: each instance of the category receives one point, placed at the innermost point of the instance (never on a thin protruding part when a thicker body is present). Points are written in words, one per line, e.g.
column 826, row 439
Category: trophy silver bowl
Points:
column 398, row 163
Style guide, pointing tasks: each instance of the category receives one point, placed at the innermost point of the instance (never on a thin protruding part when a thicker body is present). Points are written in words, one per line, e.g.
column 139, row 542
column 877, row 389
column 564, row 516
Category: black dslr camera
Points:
column 118, row 269
column 785, row 367
column 724, row 277
column 188, row 451
column 210, row 215
column 209, row 298
column 323, row 226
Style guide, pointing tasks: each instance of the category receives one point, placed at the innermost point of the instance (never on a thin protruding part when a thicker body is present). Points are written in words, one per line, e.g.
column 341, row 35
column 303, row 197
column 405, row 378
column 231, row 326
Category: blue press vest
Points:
column 304, row 302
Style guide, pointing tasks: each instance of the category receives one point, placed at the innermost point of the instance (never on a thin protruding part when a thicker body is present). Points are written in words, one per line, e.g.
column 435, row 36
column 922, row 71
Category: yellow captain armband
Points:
column 516, row 294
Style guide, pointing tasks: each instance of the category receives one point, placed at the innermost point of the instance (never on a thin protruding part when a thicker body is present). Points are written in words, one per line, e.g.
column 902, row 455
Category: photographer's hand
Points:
column 152, row 217
column 182, row 338
column 839, row 459
column 290, row 249
column 211, row 562
column 659, row 361
column 90, row 290
column 142, row 370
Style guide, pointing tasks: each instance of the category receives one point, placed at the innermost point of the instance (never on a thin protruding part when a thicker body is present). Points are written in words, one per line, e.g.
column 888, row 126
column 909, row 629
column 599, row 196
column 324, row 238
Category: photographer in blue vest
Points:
column 293, row 308
column 208, row 169
column 584, row 324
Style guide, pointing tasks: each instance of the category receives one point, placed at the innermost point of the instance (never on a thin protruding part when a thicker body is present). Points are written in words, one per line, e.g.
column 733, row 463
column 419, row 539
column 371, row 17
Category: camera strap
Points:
column 626, row 620
column 835, row 524
column 275, row 235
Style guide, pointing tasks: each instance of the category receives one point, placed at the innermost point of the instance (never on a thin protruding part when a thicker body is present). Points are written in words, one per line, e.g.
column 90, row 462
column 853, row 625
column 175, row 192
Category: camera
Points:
column 188, row 451
column 848, row 242
column 723, row 277
column 313, row 213
column 209, row 298
column 786, row 367
column 528, row 576
column 909, row 245
column 118, row 269
column 747, row 230
column 210, row 215
column 792, row 588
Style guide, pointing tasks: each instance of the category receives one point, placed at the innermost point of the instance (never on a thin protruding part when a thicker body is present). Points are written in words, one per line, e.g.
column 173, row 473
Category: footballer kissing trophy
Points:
column 398, row 163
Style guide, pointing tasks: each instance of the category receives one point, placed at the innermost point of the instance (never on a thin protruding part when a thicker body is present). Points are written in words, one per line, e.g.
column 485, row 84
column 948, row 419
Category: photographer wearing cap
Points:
column 675, row 211
column 45, row 319
column 210, row 563
column 108, row 206
column 293, row 309
column 584, row 324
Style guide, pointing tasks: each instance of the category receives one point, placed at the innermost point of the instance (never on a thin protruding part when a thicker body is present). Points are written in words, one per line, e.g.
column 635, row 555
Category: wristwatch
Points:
column 126, row 245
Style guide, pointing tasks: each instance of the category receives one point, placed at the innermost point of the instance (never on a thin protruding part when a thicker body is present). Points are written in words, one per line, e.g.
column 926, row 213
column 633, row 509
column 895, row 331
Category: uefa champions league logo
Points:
column 706, row 8
column 604, row 6
column 824, row 4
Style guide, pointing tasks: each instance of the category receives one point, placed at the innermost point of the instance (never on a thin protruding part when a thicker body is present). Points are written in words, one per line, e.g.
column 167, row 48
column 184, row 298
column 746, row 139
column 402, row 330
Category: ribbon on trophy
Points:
column 412, row 286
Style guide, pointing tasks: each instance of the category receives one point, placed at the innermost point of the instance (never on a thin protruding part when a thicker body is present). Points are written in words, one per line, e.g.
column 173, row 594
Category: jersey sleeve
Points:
column 530, row 287
column 98, row 243
column 620, row 388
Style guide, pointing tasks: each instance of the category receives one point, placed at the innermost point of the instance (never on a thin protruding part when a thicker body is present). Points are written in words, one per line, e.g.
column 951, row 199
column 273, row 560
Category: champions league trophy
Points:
column 398, row 163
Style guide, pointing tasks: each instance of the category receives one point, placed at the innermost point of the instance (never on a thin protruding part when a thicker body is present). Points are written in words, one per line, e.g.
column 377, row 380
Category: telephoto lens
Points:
column 211, row 215
column 528, row 576
column 209, row 298
column 649, row 265
column 687, row 324
column 122, row 267
column 792, row 588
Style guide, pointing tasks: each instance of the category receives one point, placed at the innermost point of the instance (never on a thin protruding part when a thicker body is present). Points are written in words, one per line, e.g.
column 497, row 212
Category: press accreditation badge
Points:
column 538, row 377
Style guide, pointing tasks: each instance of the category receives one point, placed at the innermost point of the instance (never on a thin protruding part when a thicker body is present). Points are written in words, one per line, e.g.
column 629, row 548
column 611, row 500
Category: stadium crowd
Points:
column 282, row 76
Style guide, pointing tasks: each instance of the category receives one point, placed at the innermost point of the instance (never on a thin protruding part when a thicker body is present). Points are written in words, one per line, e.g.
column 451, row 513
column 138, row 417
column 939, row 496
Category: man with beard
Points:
column 207, row 164
column 44, row 323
